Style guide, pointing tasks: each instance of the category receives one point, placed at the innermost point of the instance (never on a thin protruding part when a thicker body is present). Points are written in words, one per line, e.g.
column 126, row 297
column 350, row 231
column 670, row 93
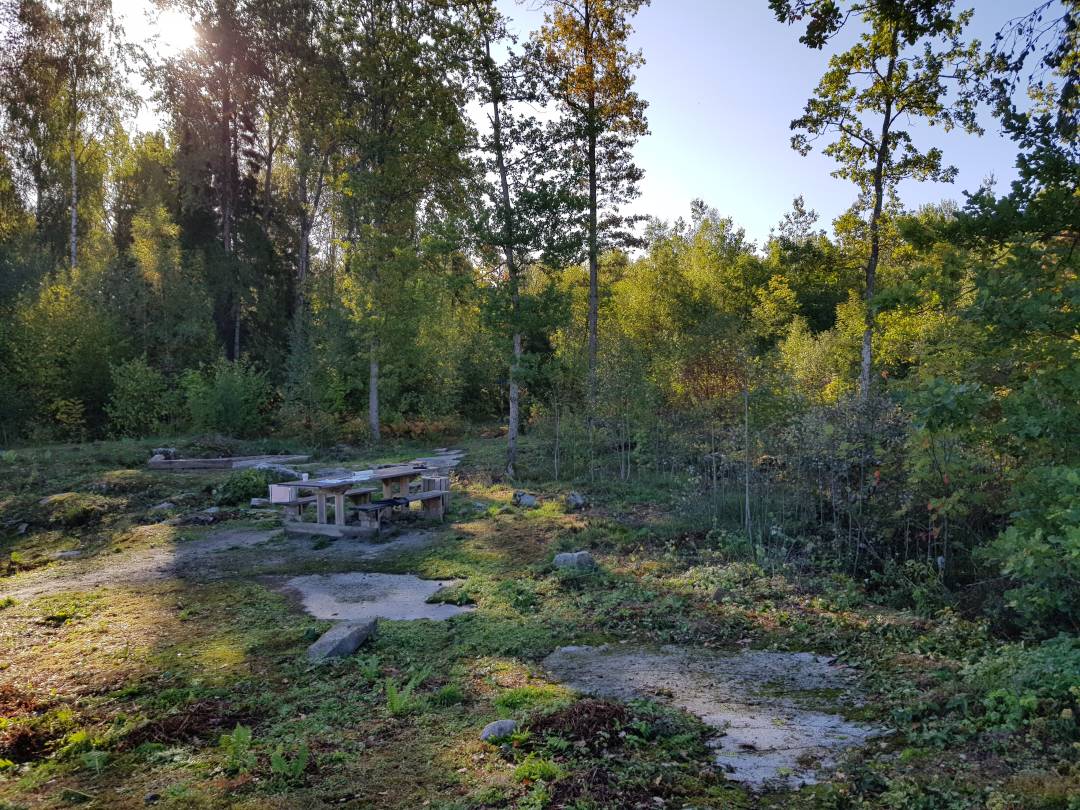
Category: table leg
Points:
column 320, row 507
column 339, row 508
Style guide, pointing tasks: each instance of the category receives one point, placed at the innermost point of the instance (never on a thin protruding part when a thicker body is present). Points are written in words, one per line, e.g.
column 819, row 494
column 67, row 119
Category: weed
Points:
column 289, row 771
column 537, row 769
column 449, row 695
column 401, row 701
column 368, row 667
column 239, row 758
column 95, row 760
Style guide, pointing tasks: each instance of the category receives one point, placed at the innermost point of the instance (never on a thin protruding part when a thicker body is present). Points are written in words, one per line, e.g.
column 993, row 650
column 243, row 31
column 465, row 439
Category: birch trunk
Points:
column 513, row 415
column 867, row 357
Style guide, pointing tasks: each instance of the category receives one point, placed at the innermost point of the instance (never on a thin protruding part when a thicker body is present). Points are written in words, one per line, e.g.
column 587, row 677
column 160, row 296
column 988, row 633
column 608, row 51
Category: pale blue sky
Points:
column 723, row 80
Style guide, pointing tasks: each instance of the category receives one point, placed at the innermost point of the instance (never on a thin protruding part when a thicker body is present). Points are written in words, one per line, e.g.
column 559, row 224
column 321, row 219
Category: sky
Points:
column 723, row 81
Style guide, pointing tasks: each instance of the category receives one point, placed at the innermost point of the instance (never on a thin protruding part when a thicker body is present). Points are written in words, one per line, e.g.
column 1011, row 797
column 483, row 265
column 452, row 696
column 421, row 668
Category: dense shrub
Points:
column 1018, row 682
column 138, row 403
column 1040, row 551
column 229, row 398
column 243, row 485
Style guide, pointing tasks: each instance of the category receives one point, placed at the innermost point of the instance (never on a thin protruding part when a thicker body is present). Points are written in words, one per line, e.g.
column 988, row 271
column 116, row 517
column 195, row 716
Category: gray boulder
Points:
column 287, row 473
column 525, row 500
column 498, row 730
column 579, row 560
column 164, row 506
column 575, row 502
column 167, row 453
column 341, row 640
column 67, row 555
column 259, row 503
column 204, row 518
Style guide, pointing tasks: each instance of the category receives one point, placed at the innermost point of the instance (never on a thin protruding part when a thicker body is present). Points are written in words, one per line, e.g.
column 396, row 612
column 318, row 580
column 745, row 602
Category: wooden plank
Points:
column 339, row 508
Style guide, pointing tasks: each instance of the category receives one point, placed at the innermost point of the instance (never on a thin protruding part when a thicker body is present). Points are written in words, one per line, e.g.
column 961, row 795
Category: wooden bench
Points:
column 294, row 508
column 433, row 504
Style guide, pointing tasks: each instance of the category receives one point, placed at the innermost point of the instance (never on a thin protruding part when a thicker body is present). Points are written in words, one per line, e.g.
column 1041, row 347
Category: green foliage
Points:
column 243, row 485
column 289, row 770
column 1040, row 550
column 522, row 698
column 535, row 768
column 227, row 397
column 95, row 760
column 236, row 747
column 401, row 700
column 139, row 400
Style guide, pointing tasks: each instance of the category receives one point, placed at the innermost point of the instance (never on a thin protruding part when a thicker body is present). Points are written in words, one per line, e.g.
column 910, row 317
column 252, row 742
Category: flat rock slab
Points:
column 777, row 713
column 360, row 596
column 341, row 640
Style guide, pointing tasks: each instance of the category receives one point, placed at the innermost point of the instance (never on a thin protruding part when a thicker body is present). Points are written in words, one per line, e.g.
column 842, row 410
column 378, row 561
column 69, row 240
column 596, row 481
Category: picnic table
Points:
column 322, row 490
column 425, row 481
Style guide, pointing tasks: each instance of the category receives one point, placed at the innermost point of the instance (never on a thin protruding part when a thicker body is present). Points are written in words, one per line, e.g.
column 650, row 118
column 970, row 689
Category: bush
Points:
column 1040, row 551
column 1018, row 682
column 243, row 485
column 229, row 398
column 138, row 403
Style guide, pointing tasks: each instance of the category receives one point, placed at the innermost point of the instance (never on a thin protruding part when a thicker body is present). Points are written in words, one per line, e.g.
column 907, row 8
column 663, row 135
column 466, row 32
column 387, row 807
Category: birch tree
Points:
column 531, row 200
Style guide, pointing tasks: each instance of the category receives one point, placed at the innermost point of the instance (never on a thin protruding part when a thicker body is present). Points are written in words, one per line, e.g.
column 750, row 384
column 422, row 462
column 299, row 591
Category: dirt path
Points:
column 222, row 554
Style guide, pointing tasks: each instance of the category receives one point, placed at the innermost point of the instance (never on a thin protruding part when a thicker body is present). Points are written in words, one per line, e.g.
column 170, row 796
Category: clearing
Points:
column 148, row 663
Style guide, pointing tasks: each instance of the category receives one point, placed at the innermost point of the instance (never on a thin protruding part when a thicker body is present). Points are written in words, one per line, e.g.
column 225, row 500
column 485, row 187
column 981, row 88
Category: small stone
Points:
column 259, row 503
column 164, row 506
column 151, row 798
column 341, row 640
column 575, row 502
column 212, row 510
column 22, row 528
column 67, row 555
column 498, row 730
column 72, row 796
column 525, row 500
column 580, row 560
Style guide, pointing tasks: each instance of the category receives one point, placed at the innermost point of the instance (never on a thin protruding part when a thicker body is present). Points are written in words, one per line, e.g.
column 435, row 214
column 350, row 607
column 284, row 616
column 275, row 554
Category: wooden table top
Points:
column 329, row 483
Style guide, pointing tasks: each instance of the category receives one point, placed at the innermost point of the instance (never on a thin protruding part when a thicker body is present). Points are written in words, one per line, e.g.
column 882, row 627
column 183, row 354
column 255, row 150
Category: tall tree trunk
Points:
column 302, row 263
column 74, row 236
column 227, row 202
column 867, row 359
column 594, row 249
column 236, row 329
column 508, row 233
column 309, row 208
column 74, row 233
column 373, row 390
column 268, row 180
column 746, row 462
column 594, row 276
